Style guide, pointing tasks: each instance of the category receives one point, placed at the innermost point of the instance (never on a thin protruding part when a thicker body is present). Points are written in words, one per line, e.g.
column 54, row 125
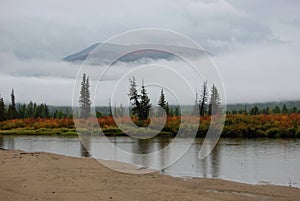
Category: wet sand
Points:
column 45, row 176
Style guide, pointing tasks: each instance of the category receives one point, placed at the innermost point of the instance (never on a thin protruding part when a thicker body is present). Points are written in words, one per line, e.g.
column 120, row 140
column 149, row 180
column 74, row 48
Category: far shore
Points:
column 46, row 176
column 114, row 132
column 67, row 132
column 236, row 126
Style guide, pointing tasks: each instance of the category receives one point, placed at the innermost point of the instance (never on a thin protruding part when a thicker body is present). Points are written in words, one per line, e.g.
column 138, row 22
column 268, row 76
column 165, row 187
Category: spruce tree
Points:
column 34, row 110
column 294, row 110
column 30, row 110
column 167, row 109
column 46, row 111
column 176, row 113
column 12, row 111
column 203, row 99
column 276, row 110
column 162, row 103
column 140, row 102
column 254, row 111
column 145, row 104
column 215, row 106
column 109, row 108
column 134, row 97
column 171, row 111
column 84, row 100
column 22, row 110
column 284, row 109
column 2, row 110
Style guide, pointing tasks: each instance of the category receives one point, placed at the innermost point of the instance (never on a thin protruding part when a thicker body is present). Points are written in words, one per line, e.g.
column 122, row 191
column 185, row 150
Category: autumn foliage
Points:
column 236, row 125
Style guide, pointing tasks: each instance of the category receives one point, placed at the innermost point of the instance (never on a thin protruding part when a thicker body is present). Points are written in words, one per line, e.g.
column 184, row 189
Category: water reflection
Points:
column 141, row 146
column 85, row 146
column 215, row 161
column 1, row 141
column 11, row 143
column 162, row 143
column 191, row 165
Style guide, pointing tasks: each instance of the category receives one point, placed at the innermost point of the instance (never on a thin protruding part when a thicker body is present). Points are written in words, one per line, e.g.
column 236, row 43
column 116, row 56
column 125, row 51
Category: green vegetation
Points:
column 236, row 125
column 164, row 105
column 30, row 110
column 40, row 131
column 140, row 102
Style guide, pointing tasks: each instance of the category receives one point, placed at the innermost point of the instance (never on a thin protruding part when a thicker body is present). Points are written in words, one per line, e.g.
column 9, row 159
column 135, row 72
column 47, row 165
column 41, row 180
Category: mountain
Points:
column 109, row 52
column 80, row 56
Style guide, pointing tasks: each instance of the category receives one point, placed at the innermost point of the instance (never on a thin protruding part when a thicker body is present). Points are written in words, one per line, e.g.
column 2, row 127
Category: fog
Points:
column 254, row 44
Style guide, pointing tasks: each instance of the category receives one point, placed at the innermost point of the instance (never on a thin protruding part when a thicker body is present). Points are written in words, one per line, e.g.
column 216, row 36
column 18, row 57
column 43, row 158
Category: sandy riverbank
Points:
column 45, row 176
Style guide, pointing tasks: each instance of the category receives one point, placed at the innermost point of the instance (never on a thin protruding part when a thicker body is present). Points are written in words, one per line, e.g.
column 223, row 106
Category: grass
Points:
column 238, row 125
column 41, row 131
column 110, row 131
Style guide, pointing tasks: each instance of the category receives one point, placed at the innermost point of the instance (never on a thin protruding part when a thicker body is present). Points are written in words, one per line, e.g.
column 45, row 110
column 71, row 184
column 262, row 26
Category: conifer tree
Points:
column 254, row 111
column 46, row 111
column 140, row 102
column 84, row 100
column 284, row 109
column 215, row 106
column 294, row 110
column 176, row 113
column 134, row 96
column 30, row 110
column 22, row 110
column 167, row 109
column 145, row 104
column 12, row 110
column 2, row 109
column 162, row 103
column 203, row 99
column 276, row 110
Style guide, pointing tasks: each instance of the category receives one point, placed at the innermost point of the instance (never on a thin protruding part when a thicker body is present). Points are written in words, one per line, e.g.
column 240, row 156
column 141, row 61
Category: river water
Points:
column 254, row 161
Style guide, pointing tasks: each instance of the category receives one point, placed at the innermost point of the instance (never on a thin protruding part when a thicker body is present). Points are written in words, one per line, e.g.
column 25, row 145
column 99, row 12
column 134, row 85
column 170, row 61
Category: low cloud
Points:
column 255, row 44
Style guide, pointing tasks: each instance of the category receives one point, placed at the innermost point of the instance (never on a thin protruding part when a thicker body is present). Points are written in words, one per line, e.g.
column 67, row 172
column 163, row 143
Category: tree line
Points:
column 30, row 110
column 208, row 103
column 256, row 111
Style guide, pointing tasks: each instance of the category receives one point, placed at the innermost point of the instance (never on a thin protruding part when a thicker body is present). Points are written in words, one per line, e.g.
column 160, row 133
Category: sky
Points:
column 255, row 44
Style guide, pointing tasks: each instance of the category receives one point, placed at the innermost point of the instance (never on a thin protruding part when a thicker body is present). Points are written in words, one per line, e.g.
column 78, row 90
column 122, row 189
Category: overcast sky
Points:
column 255, row 43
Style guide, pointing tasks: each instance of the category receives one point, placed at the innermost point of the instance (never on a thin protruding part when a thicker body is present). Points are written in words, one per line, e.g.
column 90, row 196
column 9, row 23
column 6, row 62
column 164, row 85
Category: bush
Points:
column 261, row 133
column 287, row 132
column 297, row 135
column 188, row 129
column 273, row 132
column 234, row 131
column 252, row 131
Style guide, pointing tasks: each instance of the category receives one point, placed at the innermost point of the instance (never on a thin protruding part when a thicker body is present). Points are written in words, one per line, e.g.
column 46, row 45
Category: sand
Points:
column 45, row 176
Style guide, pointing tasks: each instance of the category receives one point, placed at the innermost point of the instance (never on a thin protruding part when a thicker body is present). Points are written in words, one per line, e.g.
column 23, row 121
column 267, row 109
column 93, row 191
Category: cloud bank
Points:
column 255, row 43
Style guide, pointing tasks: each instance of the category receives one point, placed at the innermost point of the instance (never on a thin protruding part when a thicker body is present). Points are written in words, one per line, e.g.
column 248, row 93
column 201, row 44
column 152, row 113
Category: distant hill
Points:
column 109, row 52
column 241, row 106
column 248, row 106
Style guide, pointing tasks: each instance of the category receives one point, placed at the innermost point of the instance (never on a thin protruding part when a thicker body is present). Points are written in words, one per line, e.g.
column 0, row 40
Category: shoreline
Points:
column 47, row 176
column 17, row 132
column 236, row 126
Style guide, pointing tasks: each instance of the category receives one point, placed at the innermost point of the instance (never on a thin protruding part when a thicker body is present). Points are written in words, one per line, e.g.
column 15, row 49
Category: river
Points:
column 254, row 161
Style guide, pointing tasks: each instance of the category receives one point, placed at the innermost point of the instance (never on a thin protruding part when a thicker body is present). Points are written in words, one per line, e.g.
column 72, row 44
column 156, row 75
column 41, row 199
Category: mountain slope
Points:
column 109, row 52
